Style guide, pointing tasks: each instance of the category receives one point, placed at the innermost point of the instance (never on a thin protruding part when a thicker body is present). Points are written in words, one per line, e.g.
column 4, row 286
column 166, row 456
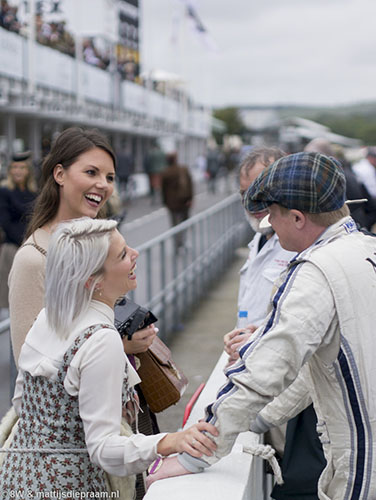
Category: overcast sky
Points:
column 269, row 51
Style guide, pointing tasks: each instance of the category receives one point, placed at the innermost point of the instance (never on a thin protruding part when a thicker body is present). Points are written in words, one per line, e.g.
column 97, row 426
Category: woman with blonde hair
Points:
column 74, row 377
column 17, row 194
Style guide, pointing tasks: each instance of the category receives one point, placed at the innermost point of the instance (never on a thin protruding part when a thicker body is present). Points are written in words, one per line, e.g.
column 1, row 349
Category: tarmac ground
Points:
column 198, row 346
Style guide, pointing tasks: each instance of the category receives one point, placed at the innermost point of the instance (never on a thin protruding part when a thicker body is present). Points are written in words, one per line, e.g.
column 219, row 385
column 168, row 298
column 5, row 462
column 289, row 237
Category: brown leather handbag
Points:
column 162, row 382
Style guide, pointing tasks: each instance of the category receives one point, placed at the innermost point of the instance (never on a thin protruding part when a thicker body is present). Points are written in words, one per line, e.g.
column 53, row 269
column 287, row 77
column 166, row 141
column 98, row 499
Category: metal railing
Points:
column 239, row 475
column 173, row 280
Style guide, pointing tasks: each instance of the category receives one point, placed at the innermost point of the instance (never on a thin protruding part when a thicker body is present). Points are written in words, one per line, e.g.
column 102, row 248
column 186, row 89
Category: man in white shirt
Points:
column 365, row 171
column 266, row 259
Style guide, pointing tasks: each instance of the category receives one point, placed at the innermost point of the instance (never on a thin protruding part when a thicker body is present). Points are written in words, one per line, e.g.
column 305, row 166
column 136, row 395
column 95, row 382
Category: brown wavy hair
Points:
column 68, row 146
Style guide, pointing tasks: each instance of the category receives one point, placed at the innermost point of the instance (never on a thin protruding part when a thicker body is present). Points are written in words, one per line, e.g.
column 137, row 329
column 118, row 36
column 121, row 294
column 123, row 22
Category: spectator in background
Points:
column 213, row 164
column 65, row 42
column 231, row 160
column 365, row 170
column 89, row 53
column 8, row 17
column 177, row 194
column 17, row 194
column 125, row 168
column 363, row 213
column 55, row 35
column 154, row 165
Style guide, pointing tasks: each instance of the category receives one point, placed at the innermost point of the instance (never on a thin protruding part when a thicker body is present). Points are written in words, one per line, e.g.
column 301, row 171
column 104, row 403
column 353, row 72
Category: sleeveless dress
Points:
column 50, row 420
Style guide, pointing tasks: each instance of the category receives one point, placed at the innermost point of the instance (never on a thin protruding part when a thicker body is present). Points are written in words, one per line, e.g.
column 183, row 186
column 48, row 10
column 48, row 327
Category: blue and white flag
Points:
column 197, row 26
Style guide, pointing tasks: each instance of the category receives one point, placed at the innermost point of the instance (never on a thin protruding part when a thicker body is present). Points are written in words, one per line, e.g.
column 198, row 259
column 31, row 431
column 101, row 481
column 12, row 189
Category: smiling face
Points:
column 19, row 171
column 86, row 185
column 119, row 275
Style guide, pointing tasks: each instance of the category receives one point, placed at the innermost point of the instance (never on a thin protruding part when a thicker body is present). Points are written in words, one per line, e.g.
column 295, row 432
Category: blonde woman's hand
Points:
column 141, row 340
column 192, row 441
column 170, row 467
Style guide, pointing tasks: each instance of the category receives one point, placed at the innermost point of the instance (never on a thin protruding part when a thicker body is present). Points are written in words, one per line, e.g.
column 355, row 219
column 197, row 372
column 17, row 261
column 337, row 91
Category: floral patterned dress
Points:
column 50, row 419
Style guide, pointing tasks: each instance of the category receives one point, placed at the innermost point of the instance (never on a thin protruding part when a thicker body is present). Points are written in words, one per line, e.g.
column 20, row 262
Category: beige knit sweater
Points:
column 26, row 288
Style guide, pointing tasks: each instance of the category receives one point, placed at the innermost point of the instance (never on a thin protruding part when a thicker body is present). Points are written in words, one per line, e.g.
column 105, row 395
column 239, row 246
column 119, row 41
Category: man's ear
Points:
column 298, row 218
column 58, row 174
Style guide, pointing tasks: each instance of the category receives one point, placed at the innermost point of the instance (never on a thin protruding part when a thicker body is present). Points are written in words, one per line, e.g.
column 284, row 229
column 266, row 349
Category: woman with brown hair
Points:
column 78, row 177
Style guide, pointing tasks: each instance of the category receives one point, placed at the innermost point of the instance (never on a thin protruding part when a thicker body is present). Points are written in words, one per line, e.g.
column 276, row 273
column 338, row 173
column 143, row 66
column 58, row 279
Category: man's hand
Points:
column 235, row 339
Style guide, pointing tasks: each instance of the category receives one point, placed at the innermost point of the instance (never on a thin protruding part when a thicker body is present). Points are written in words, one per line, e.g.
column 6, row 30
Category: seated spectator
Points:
column 8, row 17
column 91, row 54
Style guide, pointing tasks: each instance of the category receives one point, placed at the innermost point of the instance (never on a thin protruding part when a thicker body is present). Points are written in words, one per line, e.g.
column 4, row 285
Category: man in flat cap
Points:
column 320, row 331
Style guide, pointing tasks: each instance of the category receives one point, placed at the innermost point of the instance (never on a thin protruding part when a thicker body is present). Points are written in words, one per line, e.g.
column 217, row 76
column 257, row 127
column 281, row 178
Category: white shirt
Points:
column 258, row 274
column 95, row 375
column 366, row 174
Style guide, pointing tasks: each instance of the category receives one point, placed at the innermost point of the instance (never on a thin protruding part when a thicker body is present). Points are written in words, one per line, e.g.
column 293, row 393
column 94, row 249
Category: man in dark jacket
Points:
column 177, row 194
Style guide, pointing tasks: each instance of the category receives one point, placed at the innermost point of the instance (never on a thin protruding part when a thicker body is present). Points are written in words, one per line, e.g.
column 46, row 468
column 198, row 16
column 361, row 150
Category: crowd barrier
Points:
column 173, row 281
column 238, row 476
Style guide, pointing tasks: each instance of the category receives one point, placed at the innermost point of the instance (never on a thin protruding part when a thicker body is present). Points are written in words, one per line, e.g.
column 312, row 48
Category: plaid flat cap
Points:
column 309, row 182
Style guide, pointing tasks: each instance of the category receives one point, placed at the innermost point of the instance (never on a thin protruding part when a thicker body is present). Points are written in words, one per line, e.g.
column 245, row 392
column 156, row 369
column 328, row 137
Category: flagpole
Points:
column 184, row 90
column 31, row 49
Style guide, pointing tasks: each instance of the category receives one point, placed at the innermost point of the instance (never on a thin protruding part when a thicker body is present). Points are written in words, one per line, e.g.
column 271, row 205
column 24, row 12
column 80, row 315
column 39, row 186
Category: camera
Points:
column 130, row 317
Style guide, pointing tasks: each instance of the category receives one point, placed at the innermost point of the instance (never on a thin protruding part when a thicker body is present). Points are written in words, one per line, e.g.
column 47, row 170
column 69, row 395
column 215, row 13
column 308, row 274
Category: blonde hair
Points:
column 326, row 219
column 77, row 251
column 30, row 184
